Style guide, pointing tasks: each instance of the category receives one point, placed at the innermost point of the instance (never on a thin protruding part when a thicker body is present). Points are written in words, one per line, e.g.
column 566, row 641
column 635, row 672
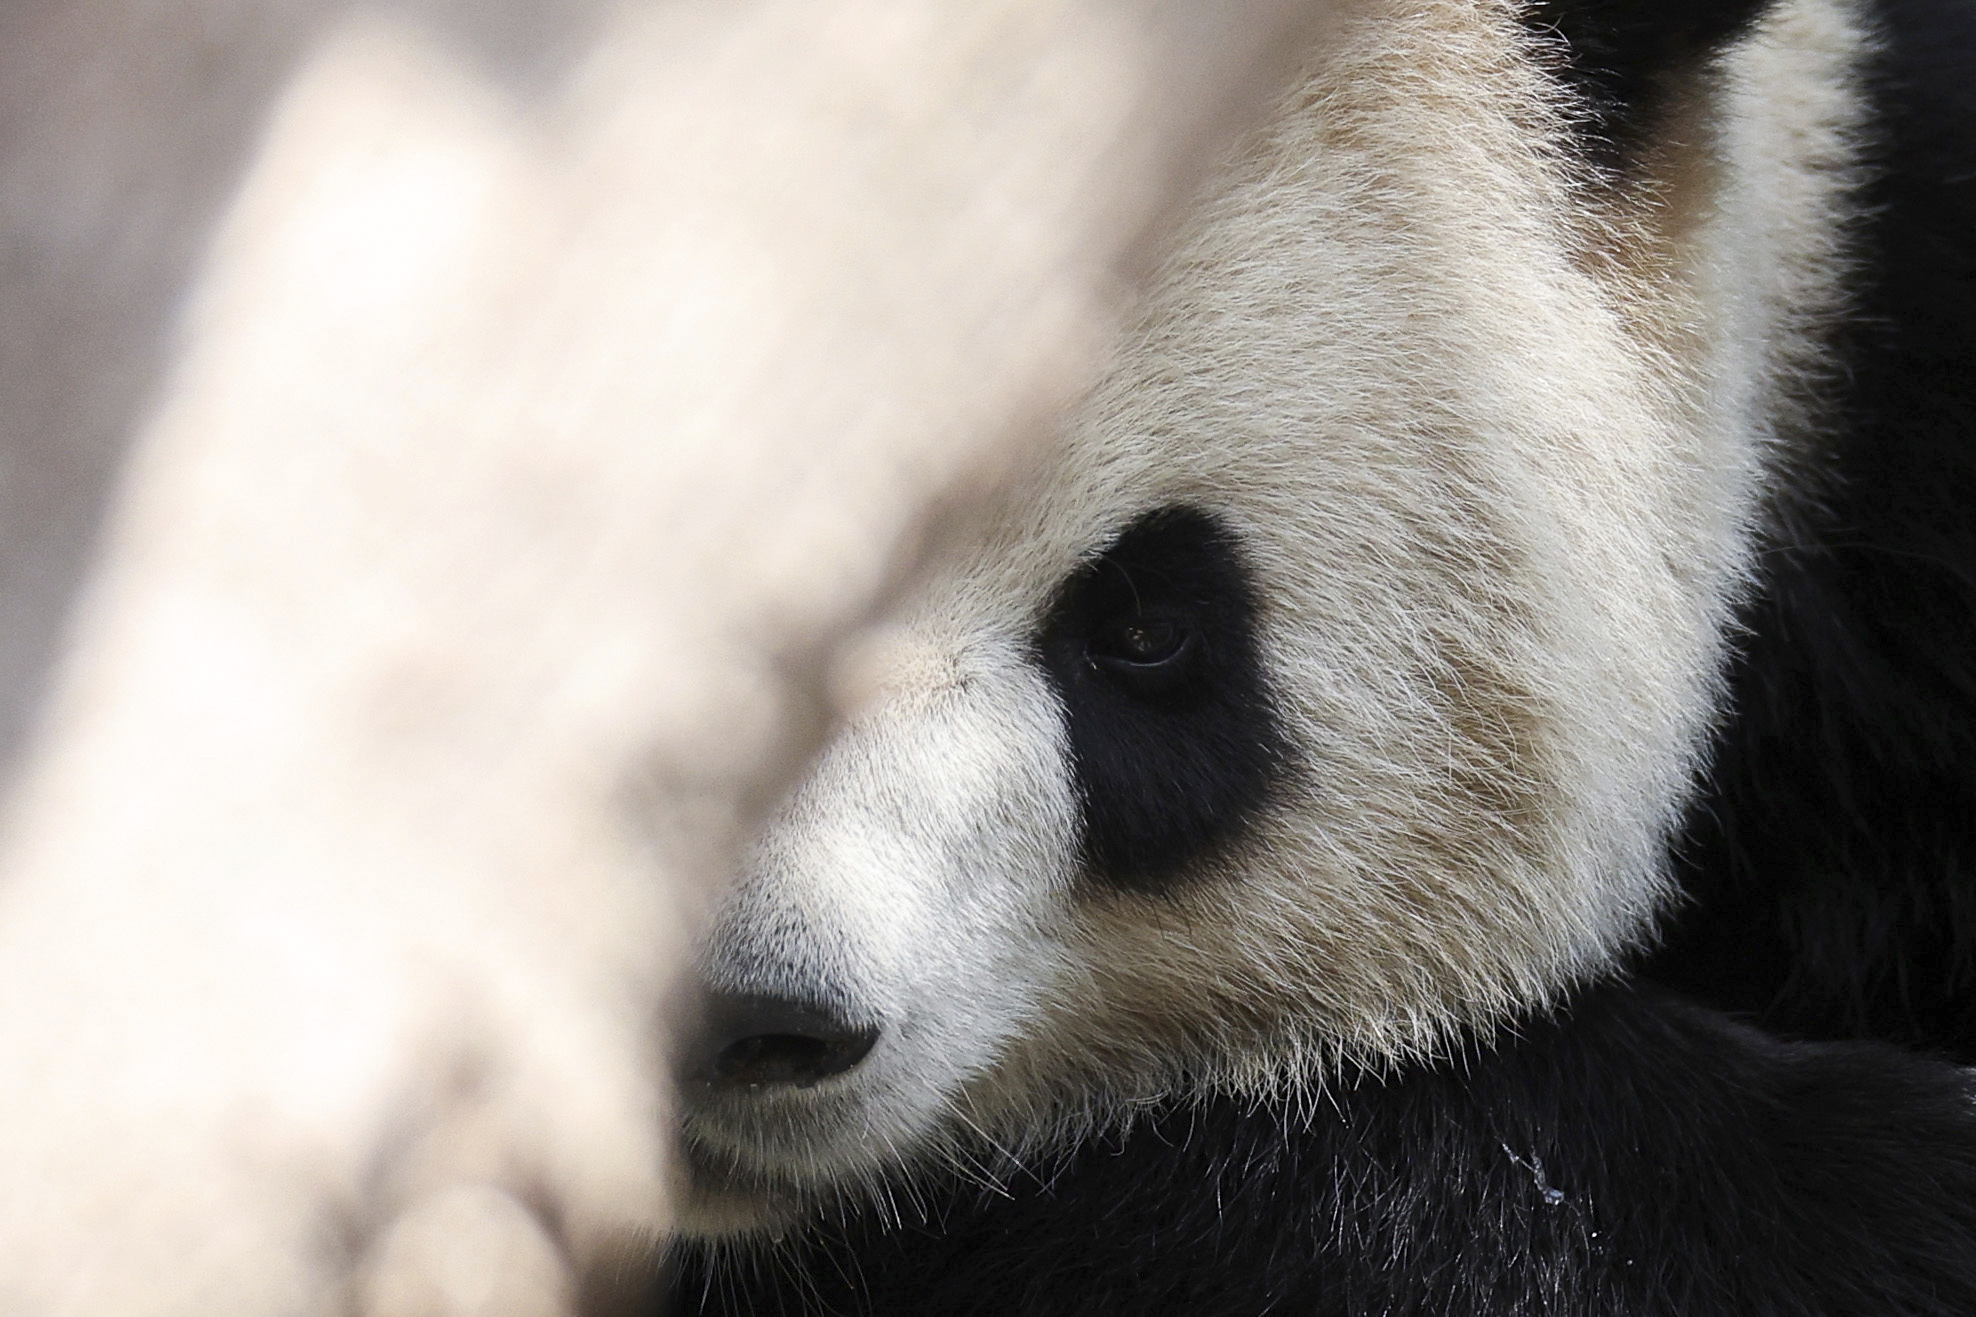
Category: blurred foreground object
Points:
column 444, row 449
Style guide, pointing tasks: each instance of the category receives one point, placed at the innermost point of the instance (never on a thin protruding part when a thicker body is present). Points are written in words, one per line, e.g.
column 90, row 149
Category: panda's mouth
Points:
column 749, row 1165
column 781, row 1124
column 792, row 1129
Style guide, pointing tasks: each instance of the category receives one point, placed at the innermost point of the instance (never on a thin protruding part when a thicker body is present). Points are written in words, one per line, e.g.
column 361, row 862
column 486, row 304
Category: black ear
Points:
column 1619, row 55
column 1173, row 733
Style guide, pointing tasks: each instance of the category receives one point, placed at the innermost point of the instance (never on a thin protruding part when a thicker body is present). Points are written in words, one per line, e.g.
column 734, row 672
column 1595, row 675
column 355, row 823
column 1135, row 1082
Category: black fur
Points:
column 1171, row 756
column 1619, row 57
column 1640, row 1156
column 1833, row 866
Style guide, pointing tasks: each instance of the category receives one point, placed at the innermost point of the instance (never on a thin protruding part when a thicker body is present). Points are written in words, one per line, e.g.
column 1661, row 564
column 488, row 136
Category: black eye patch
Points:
column 1173, row 734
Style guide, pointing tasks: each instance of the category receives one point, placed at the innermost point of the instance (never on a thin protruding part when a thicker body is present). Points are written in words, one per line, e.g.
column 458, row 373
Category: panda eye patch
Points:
column 1152, row 647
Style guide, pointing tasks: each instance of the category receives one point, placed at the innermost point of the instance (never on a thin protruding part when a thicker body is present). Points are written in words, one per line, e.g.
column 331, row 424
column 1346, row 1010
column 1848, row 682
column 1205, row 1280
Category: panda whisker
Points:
column 963, row 1161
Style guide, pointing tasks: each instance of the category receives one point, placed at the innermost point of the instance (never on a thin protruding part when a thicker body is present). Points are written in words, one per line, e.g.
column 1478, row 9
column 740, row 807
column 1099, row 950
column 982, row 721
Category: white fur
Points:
column 1494, row 432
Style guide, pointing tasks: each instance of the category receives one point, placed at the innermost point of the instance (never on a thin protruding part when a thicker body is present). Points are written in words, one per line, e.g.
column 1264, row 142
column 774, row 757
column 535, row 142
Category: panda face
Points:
column 1332, row 688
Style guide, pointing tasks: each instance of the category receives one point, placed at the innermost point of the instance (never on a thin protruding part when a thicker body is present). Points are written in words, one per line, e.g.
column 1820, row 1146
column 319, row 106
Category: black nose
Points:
column 752, row 1042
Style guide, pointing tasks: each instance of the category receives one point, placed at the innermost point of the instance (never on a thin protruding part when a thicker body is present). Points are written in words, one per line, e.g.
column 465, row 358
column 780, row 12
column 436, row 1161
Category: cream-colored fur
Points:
column 1495, row 433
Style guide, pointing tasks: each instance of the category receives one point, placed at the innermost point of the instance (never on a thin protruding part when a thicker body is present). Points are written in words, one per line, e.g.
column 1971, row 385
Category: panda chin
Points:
column 753, row 1156
column 713, row 1198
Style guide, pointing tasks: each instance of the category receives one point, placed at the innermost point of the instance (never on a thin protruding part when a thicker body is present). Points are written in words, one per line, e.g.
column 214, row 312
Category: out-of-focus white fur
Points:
column 1494, row 431
column 519, row 453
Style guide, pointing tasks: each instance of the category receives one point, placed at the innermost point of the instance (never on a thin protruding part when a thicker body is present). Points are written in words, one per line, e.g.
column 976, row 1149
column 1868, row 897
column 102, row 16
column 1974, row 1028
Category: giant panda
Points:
column 1453, row 789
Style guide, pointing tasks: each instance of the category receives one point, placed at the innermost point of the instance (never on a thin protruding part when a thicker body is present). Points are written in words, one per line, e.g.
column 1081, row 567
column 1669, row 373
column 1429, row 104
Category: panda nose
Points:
column 748, row 1041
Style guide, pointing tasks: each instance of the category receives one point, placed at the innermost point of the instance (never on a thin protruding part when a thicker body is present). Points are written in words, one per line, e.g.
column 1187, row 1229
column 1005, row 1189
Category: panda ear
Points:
column 1152, row 646
column 1618, row 57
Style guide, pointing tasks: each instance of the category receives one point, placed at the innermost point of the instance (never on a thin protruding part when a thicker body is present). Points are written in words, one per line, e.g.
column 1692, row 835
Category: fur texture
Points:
column 1527, row 348
column 1624, row 59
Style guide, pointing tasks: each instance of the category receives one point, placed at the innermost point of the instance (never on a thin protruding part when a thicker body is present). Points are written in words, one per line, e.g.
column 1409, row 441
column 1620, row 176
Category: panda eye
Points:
column 1146, row 655
column 1142, row 641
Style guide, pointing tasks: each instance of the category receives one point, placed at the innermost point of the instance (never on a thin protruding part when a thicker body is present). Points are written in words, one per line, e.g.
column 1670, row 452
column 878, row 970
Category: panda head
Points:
column 1332, row 691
